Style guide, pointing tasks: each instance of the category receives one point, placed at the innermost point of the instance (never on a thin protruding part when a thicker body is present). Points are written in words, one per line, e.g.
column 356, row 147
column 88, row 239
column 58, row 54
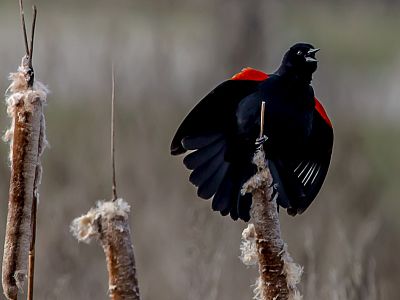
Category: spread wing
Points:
column 215, row 112
column 300, row 180
column 206, row 131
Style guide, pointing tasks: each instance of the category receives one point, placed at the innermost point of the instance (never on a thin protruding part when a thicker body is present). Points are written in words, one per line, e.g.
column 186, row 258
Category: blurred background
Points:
column 168, row 54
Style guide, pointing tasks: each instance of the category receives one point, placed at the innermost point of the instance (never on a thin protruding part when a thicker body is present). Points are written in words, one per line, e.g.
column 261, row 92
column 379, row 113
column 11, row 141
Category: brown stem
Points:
column 114, row 182
column 109, row 224
column 21, row 12
column 278, row 274
column 31, row 263
column 117, row 245
column 26, row 136
column 262, row 119
column 24, row 163
column 32, row 36
column 28, row 49
column 269, row 246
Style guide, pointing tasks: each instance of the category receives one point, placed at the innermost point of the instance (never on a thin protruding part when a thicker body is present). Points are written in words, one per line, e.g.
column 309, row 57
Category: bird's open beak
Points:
column 310, row 56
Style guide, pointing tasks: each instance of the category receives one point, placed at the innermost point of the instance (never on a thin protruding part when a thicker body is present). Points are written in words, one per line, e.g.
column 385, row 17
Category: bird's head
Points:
column 300, row 61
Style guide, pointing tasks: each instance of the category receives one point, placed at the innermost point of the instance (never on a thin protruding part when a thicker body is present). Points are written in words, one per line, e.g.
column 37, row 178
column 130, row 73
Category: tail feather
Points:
column 222, row 199
column 226, row 211
column 228, row 199
column 197, row 158
column 244, row 201
column 283, row 199
column 297, row 182
column 197, row 142
column 200, row 175
column 233, row 212
column 214, row 176
column 209, row 188
column 243, row 206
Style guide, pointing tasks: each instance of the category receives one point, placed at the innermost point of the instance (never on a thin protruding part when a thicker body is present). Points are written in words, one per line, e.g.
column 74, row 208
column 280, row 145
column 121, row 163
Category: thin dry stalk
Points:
column 114, row 181
column 22, row 14
column 27, row 141
column 38, row 172
column 109, row 224
column 31, row 258
column 262, row 240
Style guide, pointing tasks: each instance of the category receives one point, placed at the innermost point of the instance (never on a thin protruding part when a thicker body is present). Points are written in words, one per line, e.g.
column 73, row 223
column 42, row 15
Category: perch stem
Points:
column 273, row 259
column 262, row 119
column 273, row 284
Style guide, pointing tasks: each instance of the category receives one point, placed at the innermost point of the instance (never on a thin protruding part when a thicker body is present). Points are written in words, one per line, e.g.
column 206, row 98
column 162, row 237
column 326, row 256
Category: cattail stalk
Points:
column 109, row 224
column 114, row 181
column 31, row 258
column 262, row 242
column 27, row 140
column 25, row 101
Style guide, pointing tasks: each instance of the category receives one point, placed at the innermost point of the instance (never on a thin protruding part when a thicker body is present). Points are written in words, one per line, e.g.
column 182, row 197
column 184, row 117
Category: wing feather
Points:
column 299, row 180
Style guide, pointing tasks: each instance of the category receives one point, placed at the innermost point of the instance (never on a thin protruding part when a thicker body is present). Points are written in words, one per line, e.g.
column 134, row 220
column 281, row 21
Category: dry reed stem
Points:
column 31, row 258
column 109, row 224
column 27, row 141
column 114, row 181
column 262, row 241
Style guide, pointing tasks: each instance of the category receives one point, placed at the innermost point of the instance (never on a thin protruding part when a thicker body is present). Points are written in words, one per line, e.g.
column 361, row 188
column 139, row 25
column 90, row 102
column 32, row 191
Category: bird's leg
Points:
column 260, row 141
column 262, row 138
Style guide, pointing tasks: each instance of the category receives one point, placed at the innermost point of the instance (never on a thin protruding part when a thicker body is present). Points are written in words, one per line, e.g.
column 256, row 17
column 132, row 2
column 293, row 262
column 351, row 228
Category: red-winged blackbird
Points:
column 223, row 127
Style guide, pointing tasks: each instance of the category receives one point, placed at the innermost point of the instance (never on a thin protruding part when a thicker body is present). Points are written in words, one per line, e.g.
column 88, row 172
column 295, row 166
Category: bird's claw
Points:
column 260, row 141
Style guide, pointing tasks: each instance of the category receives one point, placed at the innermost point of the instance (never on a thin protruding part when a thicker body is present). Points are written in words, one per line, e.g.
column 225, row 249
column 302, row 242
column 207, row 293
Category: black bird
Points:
column 223, row 127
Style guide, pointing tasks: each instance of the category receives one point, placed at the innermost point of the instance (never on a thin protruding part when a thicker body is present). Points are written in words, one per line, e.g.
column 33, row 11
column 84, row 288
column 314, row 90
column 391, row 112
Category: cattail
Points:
column 262, row 242
column 25, row 99
column 109, row 224
column 27, row 141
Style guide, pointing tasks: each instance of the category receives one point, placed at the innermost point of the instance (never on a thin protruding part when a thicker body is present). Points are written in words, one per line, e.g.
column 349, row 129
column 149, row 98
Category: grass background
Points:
column 168, row 55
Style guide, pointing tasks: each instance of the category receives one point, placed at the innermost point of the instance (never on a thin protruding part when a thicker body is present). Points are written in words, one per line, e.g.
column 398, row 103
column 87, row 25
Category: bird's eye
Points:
column 299, row 52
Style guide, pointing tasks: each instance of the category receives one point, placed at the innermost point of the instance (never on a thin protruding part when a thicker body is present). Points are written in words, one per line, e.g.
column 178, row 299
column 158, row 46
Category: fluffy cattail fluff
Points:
column 108, row 223
column 27, row 140
column 262, row 241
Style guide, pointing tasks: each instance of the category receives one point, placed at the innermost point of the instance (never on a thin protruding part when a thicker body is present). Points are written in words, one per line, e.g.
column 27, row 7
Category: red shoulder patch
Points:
column 321, row 110
column 250, row 74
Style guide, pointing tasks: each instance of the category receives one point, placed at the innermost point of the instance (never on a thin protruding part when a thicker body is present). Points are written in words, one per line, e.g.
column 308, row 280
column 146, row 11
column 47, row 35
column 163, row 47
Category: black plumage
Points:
column 223, row 127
